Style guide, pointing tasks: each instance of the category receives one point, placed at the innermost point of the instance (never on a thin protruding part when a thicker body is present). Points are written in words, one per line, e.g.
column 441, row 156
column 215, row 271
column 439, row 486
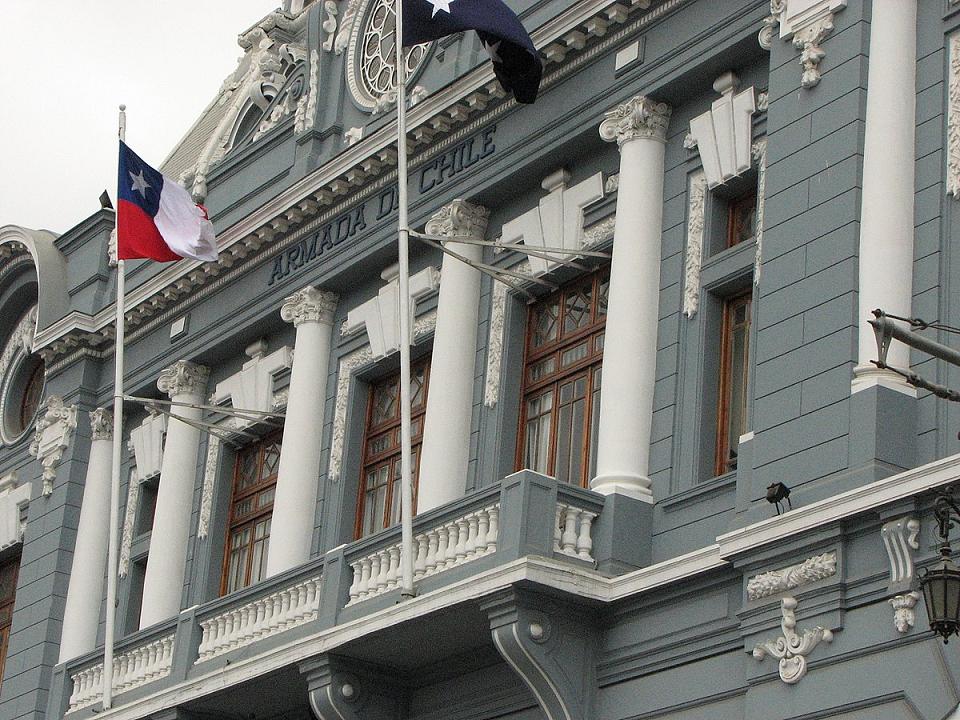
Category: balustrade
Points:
column 132, row 669
column 263, row 617
column 450, row 544
column 572, row 532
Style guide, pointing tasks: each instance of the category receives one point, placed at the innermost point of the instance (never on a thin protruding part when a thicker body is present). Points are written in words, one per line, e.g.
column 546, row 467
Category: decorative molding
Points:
column 900, row 539
column 953, row 117
column 723, row 133
column 904, row 615
column 808, row 22
column 599, row 232
column 763, row 101
column 690, row 141
column 459, row 218
column 573, row 534
column 759, row 152
column 378, row 315
column 611, row 184
column 809, row 571
column 147, row 444
column 498, row 311
column 17, row 348
column 306, row 112
column 792, row 648
column 330, row 24
column 183, row 378
column 54, row 431
column 340, row 690
column 693, row 258
column 309, row 305
column 112, row 248
column 101, row 424
column 349, row 365
column 353, row 135
column 638, row 117
column 556, row 221
column 210, row 467
column 13, row 499
column 129, row 517
column 251, row 387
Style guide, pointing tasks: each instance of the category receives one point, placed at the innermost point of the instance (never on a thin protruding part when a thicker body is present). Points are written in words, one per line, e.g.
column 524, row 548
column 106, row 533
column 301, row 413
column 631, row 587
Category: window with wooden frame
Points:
column 8, row 591
column 742, row 217
column 734, row 373
column 560, row 408
column 378, row 504
column 251, row 508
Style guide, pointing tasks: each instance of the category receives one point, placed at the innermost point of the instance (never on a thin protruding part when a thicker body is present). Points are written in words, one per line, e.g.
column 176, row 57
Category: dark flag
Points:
column 515, row 60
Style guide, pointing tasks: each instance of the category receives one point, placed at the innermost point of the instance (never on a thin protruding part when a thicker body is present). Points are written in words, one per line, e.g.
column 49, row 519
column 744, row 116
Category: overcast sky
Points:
column 65, row 66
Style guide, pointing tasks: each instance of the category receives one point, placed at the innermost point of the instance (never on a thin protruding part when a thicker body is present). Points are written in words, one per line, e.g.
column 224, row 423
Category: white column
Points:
column 886, row 208
column 295, row 503
column 184, row 382
column 446, row 433
column 81, row 616
column 630, row 350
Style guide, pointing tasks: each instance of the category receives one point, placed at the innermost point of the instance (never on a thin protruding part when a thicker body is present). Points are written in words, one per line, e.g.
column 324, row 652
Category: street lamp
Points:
column 941, row 583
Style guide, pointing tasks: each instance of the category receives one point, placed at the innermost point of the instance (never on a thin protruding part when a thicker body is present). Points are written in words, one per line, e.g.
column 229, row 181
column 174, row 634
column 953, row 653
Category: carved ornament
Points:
column 792, row 648
column 53, row 433
column 639, row 117
column 459, row 218
column 693, row 259
column 809, row 571
column 900, row 540
column 309, row 305
column 808, row 23
column 724, row 132
column 101, row 424
column 904, row 615
column 759, row 151
column 184, row 378
column 953, row 117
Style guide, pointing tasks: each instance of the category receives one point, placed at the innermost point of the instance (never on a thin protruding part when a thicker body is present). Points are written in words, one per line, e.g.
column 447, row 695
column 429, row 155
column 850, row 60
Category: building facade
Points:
column 652, row 308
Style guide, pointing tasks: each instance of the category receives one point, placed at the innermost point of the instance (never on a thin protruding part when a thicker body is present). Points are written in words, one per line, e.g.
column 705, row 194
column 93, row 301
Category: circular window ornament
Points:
column 371, row 58
column 21, row 380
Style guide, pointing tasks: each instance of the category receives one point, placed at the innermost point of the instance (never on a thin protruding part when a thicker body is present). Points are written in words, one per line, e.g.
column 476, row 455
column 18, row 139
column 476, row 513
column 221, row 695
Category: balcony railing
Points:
column 525, row 514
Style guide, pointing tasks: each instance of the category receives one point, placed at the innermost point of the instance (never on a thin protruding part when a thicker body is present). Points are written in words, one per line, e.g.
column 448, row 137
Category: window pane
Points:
column 545, row 323
column 577, row 309
column 574, row 354
column 733, row 381
column 543, row 368
column 594, row 421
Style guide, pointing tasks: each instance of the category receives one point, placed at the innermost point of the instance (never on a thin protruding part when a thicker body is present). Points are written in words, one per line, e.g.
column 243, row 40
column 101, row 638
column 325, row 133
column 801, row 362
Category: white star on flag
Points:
column 493, row 50
column 140, row 183
column 439, row 5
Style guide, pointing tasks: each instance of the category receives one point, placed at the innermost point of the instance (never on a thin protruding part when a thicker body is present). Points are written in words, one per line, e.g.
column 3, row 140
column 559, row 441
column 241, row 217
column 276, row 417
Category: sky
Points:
column 66, row 65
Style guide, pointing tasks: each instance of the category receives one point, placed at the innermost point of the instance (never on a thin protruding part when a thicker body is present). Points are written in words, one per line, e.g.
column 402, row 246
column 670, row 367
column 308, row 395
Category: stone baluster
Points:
column 630, row 352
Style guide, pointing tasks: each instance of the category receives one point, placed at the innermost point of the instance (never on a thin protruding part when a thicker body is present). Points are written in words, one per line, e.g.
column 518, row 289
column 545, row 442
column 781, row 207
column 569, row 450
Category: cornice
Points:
column 436, row 122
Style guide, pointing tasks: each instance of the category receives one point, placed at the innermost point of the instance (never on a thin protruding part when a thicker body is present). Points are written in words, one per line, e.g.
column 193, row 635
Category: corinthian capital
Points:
column 101, row 424
column 309, row 305
column 459, row 218
column 183, row 377
column 638, row 117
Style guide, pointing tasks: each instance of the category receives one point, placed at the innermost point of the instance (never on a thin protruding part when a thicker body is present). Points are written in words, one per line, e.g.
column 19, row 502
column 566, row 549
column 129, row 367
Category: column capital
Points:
column 638, row 117
column 459, row 218
column 101, row 424
column 309, row 305
column 183, row 377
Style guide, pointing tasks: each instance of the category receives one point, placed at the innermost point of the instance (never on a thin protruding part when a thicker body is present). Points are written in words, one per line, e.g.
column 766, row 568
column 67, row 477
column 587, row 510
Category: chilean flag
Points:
column 156, row 218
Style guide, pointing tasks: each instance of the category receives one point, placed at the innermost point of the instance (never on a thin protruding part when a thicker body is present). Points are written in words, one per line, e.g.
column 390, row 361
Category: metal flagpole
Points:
column 112, row 552
column 406, row 485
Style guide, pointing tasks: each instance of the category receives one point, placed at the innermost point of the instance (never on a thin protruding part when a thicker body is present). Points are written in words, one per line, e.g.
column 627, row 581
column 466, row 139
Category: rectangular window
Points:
column 8, row 593
column 148, row 504
column 251, row 507
column 742, row 218
column 734, row 368
column 561, row 381
column 378, row 505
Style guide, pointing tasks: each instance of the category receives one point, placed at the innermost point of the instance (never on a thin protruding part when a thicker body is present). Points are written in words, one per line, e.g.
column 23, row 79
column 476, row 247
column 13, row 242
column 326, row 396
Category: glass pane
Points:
column 577, row 309
column 540, row 370
column 244, row 507
column 271, row 461
column 385, row 405
column 604, row 297
column 536, row 453
column 418, row 386
column 261, row 545
column 396, row 494
column 545, row 323
column 594, row 421
column 247, row 468
column 265, row 498
column 574, row 354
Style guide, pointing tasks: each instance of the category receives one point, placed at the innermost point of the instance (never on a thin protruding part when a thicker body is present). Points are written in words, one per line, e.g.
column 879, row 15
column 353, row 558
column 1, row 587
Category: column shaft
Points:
column 295, row 502
column 446, row 434
column 163, row 582
column 886, row 215
column 81, row 615
column 630, row 348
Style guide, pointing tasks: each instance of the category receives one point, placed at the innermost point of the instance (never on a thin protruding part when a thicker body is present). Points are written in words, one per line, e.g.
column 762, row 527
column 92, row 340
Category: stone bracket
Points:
column 551, row 647
column 339, row 689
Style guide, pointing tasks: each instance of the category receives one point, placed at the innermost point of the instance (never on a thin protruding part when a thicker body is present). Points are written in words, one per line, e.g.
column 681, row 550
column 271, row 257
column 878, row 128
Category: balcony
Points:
column 258, row 630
